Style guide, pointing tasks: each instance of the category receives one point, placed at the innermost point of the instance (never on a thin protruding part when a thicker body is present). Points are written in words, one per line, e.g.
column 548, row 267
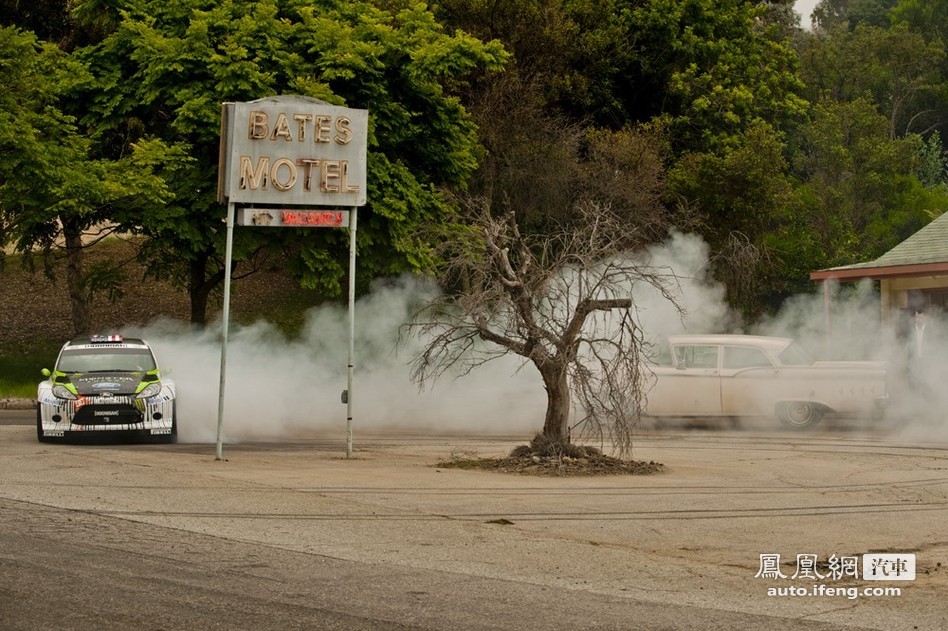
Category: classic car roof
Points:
column 760, row 341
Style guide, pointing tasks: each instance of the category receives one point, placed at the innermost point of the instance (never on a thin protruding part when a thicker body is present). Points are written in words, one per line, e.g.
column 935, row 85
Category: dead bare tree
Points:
column 563, row 302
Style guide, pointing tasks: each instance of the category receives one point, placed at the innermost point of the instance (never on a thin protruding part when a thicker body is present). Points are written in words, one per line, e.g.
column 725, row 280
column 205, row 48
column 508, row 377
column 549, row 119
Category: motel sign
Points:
column 293, row 150
column 297, row 162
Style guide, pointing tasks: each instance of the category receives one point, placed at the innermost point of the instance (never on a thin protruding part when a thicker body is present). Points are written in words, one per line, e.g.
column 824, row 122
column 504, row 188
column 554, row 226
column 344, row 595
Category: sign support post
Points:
column 228, row 256
column 352, row 284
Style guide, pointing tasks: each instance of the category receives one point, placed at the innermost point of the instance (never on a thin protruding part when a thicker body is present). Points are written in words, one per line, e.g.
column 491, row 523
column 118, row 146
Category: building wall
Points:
column 896, row 294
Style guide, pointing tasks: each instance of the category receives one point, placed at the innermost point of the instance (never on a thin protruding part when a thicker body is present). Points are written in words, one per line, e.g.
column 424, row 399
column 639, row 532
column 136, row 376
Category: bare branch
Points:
column 562, row 301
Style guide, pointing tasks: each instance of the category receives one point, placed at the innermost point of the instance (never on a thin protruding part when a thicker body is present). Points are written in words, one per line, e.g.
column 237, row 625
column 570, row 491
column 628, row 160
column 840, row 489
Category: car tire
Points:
column 39, row 425
column 799, row 414
column 173, row 436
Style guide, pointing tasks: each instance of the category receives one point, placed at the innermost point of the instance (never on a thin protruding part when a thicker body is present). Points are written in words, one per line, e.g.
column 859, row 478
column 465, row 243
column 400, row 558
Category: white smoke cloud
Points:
column 279, row 388
column 848, row 325
column 700, row 297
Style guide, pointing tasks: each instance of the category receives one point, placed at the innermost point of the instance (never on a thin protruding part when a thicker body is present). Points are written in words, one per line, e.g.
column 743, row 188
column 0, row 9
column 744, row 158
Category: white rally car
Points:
column 106, row 383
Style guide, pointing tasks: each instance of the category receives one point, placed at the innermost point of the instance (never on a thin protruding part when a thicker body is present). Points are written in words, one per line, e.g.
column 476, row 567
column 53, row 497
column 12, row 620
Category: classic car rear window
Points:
column 697, row 356
column 744, row 357
column 795, row 355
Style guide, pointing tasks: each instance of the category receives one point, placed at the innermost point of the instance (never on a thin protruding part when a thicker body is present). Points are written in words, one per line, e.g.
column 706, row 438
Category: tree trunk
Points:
column 556, row 424
column 78, row 300
column 198, row 291
column 200, row 287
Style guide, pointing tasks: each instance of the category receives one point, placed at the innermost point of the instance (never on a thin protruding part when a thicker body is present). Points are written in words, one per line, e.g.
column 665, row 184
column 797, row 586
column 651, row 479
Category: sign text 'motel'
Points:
column 293, row 151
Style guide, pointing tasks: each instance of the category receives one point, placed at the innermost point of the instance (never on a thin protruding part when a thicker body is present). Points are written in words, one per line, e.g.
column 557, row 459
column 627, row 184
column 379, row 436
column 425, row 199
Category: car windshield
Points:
column 106, row 360
column 795, row 355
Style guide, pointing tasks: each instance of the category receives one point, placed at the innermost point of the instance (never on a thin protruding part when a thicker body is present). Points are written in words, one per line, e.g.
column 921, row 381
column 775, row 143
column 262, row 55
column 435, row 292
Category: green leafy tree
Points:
column 870, row 13
column 857, row 180
column 782, row 15
column 743, row 191
column 47, row 19
column 53, row 188
column 165, row 67
column 828, row 14
column 704, row 78
column 850, row 14
column 574, row 56
column 934, row 162
column 895, row 67
column 714, row 68
column 929, row 17
column 861, row 192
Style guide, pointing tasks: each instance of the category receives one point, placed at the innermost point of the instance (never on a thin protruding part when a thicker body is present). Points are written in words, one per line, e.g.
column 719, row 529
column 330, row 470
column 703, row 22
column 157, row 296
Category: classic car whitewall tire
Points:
column 799, row 414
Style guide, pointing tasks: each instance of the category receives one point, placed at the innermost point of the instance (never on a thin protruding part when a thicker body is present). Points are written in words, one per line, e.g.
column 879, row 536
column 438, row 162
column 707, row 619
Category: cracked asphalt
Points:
column 296, row 535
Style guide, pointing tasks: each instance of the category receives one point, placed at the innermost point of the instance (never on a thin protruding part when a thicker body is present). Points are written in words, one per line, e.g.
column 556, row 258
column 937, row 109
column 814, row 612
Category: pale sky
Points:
column 805, row 8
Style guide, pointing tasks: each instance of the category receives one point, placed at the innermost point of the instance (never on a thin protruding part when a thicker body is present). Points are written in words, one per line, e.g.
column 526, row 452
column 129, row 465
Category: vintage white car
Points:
column 750, row 375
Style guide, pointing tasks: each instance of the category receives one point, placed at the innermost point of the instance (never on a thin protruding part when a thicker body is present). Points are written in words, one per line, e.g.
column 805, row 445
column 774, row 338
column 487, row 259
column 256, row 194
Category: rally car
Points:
column 106, row 383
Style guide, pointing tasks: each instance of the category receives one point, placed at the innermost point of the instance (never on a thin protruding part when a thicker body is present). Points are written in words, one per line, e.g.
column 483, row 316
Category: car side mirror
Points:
column 45, row 372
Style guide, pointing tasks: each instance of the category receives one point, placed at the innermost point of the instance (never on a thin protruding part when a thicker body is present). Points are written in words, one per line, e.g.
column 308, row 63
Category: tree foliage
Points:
column 745, row 189
column 53, row 185
column 165, row 67
column 715, row 68
column 47, row 19
column 576, row 56
column 928, row 17
column 868, row 158
column 857, row 181
column 895, row 68
column 850, row 14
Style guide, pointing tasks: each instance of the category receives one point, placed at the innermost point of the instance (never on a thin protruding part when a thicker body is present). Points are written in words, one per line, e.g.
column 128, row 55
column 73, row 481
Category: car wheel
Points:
column 799, row 414
column 39, row 425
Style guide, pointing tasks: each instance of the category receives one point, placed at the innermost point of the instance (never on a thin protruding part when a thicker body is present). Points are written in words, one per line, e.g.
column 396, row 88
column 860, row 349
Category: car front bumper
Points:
column 59, row 418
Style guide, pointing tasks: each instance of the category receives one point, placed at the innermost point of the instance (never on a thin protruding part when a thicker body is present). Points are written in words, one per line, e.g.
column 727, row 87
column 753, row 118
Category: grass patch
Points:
column 18, row 390
column 20, row 367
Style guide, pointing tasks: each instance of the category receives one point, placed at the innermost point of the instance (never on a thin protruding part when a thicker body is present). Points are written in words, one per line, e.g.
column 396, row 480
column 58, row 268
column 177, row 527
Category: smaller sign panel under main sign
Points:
column 292, row 218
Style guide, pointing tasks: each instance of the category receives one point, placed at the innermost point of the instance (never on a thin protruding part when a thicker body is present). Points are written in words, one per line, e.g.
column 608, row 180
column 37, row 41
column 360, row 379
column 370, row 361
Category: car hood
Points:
column 121, row 383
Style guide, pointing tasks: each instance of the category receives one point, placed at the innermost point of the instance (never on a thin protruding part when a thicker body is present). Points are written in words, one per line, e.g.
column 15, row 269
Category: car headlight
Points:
column 149, row 391
column 62, row 392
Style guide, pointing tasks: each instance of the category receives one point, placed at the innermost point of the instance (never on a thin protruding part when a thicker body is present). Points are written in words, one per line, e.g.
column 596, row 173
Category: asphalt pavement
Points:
column 296, row 535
